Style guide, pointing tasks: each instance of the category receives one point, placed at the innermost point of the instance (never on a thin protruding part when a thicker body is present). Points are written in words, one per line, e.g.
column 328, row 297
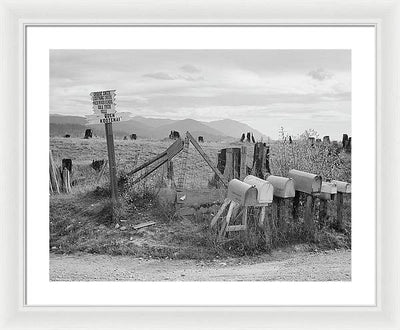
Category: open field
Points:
column 81, row 221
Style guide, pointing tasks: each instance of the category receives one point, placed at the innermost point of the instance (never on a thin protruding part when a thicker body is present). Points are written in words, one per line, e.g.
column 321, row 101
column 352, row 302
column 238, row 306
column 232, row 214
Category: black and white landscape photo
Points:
column 200, row 165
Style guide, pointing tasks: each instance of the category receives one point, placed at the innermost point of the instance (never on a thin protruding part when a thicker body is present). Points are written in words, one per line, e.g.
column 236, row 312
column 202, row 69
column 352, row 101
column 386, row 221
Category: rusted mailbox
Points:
column 241, row 192
column 306, row 182
column 265, row 190
column 328, row 189
column 342, row 187
column 283, row 187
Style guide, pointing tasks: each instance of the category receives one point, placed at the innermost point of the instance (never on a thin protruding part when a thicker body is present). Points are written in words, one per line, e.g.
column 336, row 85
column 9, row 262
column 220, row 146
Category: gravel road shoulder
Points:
column 280, row 266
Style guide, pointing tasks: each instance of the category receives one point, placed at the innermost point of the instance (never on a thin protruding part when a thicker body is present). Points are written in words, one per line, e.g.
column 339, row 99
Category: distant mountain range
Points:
column 155, row 128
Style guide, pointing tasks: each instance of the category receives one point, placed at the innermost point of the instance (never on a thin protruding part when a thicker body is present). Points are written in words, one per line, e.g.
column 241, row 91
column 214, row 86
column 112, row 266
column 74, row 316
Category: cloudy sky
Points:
column 266, row 89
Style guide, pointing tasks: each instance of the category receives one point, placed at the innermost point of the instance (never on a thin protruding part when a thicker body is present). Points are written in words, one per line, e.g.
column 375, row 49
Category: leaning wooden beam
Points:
column 228, row 218
column 207, row 159
column 147, row 173
column 149, row 162
column 219, row 213
column 171, row 152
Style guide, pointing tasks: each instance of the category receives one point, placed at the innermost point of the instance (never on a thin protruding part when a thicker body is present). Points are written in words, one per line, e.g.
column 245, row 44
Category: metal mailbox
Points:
column 283, row 187
column 242, row 193
column 327, row 190
column 306, row 182
column 342, row 187
column 265, row 190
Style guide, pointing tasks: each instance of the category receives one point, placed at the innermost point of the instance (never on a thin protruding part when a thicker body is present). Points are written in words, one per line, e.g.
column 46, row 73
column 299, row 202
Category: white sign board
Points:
column 104, row 109
column 103, row 102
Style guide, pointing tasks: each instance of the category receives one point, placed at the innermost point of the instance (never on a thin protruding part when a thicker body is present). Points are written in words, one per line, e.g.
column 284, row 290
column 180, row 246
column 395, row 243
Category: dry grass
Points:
column 82, row 220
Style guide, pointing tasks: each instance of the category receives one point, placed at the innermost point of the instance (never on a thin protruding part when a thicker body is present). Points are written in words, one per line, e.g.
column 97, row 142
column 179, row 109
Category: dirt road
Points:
column 280, row 266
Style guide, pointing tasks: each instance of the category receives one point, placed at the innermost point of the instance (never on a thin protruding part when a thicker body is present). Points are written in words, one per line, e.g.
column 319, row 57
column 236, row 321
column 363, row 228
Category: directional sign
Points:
column 103, row 102
column 107, row 118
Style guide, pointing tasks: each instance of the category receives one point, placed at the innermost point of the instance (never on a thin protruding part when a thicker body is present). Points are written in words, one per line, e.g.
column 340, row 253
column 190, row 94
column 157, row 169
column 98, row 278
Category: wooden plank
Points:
column 243, row 158
column 235, row 228
column 175, row 148
column 228, row 217
column 149, row 171
column 308, row 215
column 296, row 203
column 144, row 224
column 66, row 183
column 181, row 179
column 207, row 159
column 171, row 152
column 220, row 211
column 339, row 210
column 323, row 212
column 149, row 162
column 53, row 175
column 244, row 217
column 228, row 172
column 262, row 217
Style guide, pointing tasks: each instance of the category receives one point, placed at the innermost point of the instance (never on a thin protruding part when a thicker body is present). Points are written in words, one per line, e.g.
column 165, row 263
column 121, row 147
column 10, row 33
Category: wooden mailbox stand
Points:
column 309, row 184
column 252, row 192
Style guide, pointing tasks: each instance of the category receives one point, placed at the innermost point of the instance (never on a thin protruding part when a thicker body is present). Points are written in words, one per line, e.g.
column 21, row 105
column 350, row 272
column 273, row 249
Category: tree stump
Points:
column 261, row 160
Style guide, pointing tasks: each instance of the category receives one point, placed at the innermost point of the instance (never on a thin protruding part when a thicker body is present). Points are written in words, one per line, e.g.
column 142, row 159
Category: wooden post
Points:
column 261, row 160
column 339, row 210
column 66, row 181
column 236, row 163
column 296, row 204
column 170, row 174
column 54, row 177
column 282, row 216
column 308, row 215
column 228, row 165
column 112, row 165
column 243, row 166
column 267, row 227
column 323, row 212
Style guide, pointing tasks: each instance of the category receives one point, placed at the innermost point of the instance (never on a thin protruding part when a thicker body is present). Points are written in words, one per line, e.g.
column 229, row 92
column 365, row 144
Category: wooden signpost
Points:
column 105, row 113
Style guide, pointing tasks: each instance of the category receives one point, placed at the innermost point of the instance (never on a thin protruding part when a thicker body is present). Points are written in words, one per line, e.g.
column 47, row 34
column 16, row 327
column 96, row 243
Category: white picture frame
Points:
column 14, row 15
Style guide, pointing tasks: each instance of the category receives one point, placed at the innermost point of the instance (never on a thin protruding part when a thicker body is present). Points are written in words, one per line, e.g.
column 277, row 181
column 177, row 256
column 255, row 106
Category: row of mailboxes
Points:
column 328, row 189
column 306, row 182
column 253, row 191
column 283, row 187
column 342, row 187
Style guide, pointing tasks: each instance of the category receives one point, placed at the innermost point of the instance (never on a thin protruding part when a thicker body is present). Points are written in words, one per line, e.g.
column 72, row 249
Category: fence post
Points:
column 308, row 215
column 228, row 164
column 296, row 204
column 323, row 212
column 54, row 176
column 243, row 166
column 339, row 210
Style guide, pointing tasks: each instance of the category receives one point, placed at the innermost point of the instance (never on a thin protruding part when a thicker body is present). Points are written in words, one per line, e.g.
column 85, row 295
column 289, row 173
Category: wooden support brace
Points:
column 207, row 159
column 219, row 213
column 228, row 217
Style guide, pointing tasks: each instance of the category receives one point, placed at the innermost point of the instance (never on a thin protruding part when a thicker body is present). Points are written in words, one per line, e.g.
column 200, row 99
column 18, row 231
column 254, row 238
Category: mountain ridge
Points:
column 156, row 128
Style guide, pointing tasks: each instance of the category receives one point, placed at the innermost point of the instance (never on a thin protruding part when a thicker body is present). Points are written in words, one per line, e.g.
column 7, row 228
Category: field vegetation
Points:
column 82, row 221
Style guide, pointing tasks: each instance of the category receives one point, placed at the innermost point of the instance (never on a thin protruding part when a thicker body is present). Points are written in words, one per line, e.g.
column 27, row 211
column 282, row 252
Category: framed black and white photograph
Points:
column 204, row 167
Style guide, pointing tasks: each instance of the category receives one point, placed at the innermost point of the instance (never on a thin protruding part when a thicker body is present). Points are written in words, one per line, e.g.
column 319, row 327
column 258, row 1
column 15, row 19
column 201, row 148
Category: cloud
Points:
column 167, row 76
column 320, row 74
column 190, row 68
column 159, row 76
